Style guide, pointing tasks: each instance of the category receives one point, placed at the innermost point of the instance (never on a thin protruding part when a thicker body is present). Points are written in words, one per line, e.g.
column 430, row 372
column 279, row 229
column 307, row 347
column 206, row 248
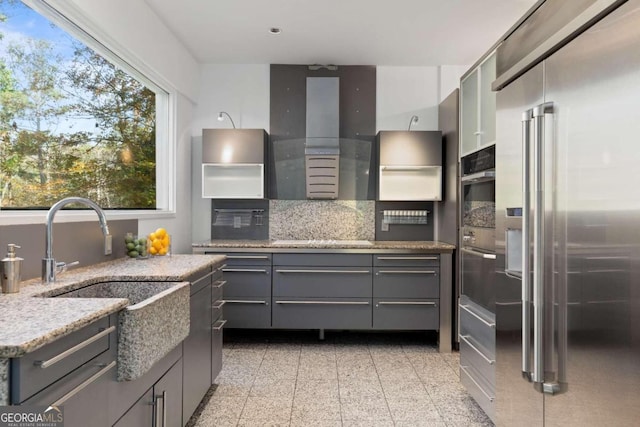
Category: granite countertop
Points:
column 28, row 321
column 328, row 245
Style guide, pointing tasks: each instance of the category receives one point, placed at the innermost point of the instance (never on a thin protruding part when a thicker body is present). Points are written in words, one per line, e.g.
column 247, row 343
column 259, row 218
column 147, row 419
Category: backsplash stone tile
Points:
column 322, row 219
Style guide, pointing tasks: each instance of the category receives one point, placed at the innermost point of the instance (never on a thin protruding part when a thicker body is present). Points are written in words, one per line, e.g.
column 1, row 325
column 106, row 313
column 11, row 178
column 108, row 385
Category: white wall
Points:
column 450, row 79
column 132, row 26
column 406, row 91
column 240, row 90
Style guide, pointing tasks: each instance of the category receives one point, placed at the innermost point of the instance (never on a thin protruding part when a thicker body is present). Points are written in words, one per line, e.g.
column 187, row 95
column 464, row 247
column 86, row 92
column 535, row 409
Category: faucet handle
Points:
column 61, row 267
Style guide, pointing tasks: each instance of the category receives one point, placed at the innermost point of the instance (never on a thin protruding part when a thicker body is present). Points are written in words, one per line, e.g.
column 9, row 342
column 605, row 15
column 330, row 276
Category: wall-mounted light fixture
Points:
column 414, row 119
column 221, row 118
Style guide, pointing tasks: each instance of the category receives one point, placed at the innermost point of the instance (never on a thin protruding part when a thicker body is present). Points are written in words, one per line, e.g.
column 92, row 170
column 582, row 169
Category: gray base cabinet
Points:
column 79, row 381
column 247, row 292
column 196, row 348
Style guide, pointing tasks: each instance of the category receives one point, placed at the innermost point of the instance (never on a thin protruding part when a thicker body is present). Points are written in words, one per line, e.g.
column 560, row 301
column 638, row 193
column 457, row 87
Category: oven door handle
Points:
column 483, row 176
column 478, row 253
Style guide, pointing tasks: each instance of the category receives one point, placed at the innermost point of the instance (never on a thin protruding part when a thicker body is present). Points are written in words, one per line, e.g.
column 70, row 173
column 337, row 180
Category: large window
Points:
column 74, row 120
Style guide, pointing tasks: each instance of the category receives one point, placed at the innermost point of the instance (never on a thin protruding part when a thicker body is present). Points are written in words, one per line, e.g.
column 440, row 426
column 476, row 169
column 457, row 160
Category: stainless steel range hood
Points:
column 322, row 147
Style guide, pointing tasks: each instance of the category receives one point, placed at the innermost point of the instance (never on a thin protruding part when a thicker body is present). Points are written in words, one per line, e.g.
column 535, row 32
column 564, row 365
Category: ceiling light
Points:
column 221, row 117
column 275, row 30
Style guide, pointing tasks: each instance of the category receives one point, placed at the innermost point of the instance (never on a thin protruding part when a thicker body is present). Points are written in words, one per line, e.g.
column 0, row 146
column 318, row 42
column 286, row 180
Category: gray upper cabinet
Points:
column 478, row 108
column 410, row 165
column 233, row 163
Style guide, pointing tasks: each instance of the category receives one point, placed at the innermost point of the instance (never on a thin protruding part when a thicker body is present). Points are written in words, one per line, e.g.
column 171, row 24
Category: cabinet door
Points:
column 140, row 414
column 469, row 114
column 487, row 102
column 168, row 398
column 197, row 353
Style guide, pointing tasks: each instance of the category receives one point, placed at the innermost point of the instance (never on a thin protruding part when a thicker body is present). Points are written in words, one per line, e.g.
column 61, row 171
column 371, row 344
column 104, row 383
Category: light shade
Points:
column 221, row 117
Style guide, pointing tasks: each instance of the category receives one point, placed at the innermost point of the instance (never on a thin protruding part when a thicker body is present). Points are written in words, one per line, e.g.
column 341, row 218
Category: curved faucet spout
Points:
column 49, row 265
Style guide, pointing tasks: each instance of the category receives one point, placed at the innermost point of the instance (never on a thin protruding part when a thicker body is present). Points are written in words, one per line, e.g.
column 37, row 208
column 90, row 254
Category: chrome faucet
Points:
column 49, row 265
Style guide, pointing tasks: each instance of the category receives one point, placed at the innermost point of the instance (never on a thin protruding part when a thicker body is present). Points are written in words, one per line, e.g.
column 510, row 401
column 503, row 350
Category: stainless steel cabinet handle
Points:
column 478, row 253
column 221, row 284
column 247, row 257
column 465, row 338
column 200, row 279
column 245, row 270
column 526, row 252
column 325, row 302
column 242, row 301
column 221, row 268
column 163, row 408
column 466, row 371
column 218, row 325
column 408, row 258
column 466, row 308
column 84, row 384
column 218, row 305
column 406, row 272
column 326, row 271
column 479, row 177
column 55, row 359
column 406, row 303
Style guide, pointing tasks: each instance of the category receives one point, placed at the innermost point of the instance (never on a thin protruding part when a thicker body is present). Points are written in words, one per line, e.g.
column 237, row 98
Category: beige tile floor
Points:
column 349, row 379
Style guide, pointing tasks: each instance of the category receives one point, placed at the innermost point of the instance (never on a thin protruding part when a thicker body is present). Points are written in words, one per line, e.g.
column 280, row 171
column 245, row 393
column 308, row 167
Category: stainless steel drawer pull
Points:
column 242, row 301
column 466, row 308
column 221, row 284
column 200, row 279
column 406, row 272
column 247, row 257
column 218, row 325
column 218, row 305
column 478, row 253
column 222, row 267
column 325, row 302
column 466, row 371
column 465, row 338
column 84, row 384
column 46, row 363
column 407, row 303
column 326, row 271
column 408, row 258
column 245, row 270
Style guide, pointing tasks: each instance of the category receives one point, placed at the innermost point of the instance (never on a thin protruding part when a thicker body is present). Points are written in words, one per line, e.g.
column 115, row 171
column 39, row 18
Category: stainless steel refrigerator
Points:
column 568, row 217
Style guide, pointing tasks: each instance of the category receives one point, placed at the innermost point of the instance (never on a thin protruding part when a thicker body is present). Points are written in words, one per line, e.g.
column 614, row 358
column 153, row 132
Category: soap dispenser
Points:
column 10, row 270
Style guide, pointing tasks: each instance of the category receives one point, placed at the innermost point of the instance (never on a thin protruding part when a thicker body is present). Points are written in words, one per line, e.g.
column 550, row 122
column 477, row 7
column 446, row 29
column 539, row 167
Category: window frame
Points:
column 70, row 19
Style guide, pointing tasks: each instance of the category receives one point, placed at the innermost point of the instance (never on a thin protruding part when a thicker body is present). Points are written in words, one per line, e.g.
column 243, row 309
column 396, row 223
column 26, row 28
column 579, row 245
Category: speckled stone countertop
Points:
column 28, row 322
column 376, row 246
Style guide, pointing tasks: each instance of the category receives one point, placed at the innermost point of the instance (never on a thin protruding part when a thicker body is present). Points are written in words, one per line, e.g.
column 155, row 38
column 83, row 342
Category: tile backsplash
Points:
column 322, row 220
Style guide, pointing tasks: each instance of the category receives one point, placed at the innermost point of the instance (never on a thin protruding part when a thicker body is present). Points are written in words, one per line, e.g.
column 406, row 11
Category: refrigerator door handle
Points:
column 526, row 247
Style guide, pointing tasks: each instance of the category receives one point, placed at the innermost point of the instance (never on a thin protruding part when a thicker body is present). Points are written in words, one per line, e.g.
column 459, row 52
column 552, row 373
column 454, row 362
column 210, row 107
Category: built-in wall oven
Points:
column 478, row 227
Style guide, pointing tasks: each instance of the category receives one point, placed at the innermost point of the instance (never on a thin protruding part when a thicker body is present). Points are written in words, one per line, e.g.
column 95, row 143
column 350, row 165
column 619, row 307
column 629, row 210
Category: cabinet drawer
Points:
column 408, row 314
column 408, row 282
column 83, row 393
column 319, row 282
column 480, row 326
column 322, row 313
column 202, row 279
column 247, row 281
column 472, row 353
column 35, row 371
column 217, row 289
column 247, row 259
column 247, row 312
column 216, row 310
column 406, row 260
column 216, row 348
column 323, row 260
column 481, row 392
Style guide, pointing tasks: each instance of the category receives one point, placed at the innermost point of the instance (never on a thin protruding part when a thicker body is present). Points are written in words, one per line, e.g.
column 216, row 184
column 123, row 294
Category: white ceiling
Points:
column 353, row 32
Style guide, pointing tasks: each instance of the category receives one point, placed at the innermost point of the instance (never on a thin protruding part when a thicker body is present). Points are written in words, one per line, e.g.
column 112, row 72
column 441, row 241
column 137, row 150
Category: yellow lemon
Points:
column 162, row 251
column 165, row 241
column 153, row 251
column 157, row 243
column 161, row 232
column 152, row 236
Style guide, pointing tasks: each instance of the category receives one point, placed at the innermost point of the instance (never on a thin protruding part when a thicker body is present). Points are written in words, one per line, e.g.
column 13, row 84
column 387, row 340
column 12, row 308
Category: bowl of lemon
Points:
column 159, row 243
